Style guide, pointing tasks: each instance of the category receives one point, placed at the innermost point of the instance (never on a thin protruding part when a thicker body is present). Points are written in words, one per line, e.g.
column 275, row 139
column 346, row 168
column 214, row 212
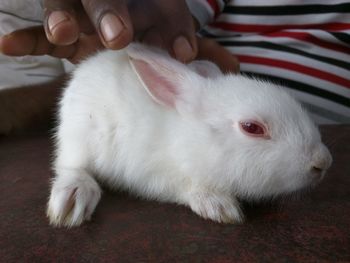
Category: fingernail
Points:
column 111, row 27
column 56, row 18
column 182, row 49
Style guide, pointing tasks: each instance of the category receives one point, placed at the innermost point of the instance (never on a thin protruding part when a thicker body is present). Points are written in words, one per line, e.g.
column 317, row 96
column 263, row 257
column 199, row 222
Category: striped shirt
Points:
column 303, row 45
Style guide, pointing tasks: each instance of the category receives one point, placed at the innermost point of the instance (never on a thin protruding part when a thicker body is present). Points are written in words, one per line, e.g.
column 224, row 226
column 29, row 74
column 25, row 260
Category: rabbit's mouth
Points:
column 316, row 177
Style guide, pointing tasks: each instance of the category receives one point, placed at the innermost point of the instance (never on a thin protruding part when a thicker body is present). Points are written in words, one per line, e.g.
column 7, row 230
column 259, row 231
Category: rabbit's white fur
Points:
column 188, row 148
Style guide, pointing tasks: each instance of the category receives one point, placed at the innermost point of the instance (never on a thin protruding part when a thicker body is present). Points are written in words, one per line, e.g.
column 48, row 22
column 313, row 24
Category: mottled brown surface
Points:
column 314, row 228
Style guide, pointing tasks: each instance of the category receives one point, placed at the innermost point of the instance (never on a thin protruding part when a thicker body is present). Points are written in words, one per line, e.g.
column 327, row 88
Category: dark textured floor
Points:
column 313, row 228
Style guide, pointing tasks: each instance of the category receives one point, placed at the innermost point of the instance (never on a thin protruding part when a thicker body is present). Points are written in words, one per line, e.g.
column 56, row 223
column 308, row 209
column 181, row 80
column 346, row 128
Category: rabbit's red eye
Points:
column 253, row 128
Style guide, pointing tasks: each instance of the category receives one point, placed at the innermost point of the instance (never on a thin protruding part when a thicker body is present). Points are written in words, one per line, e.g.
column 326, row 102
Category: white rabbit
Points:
column 140, row 120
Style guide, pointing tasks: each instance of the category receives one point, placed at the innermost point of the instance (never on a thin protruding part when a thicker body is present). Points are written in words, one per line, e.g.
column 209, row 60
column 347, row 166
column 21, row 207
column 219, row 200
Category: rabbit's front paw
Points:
column 217, row 207
column 73, row 198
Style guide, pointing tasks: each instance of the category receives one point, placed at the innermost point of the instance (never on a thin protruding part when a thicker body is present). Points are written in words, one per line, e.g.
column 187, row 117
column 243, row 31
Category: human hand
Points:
column 114, row 24
column 37, row 44
column 76, row 31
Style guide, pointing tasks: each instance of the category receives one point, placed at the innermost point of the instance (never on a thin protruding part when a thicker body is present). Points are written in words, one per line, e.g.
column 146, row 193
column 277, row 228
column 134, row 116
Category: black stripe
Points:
column 343, row 37
column 272, row 46
column 302, row 87
column 206, row 33
column 287, row 9
column 22, row 18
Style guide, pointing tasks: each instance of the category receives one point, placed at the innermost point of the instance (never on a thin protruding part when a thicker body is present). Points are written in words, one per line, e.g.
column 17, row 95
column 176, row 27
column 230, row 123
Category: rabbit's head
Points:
column 261, row 141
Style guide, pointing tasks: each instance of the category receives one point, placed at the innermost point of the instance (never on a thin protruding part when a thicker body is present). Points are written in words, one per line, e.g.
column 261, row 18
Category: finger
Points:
column 60, row 21
column 36, row 43
column 170, row 26
column 185, row 48
column 86, row 46
column 210, row 50
column 184, row 45
column 111, row 20
column 181, row 44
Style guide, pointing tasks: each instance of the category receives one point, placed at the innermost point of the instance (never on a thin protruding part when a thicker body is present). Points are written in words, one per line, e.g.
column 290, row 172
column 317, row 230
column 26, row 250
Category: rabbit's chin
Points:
column 271, row 191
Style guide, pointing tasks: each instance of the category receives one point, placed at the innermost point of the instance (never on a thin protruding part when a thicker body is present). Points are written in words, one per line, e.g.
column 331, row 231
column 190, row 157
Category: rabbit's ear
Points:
column 166, row 80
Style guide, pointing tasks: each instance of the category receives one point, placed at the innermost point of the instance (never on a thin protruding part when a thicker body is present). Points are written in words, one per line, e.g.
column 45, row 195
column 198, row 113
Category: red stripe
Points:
column 244, row 28
column 306, row 37
column 295, row 67
column 214, row 5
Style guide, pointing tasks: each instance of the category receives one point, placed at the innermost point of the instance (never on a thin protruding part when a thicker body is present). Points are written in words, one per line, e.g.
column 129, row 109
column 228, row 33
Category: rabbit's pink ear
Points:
column 161, row 83
column 163, row 77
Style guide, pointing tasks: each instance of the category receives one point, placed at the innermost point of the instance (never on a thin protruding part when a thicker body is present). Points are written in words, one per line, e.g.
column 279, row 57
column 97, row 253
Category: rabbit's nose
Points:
column 317, row 172
column 321, row 164
column 321, row 161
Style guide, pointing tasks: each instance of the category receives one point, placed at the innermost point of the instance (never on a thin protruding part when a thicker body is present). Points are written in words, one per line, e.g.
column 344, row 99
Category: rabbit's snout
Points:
column 320, row 162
